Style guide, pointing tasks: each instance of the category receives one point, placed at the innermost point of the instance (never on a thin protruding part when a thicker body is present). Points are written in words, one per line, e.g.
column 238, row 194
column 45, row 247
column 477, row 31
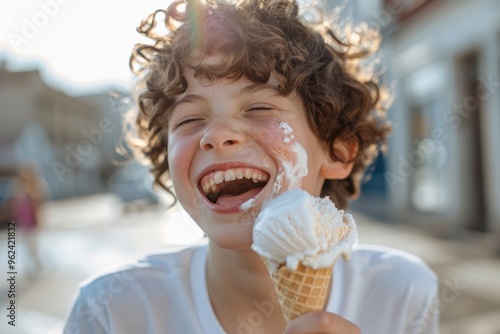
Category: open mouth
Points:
column 233, row 185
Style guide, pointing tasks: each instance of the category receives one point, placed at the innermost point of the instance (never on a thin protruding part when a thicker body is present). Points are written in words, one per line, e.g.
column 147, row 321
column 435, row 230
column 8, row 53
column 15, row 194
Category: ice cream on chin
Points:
column 296, row 227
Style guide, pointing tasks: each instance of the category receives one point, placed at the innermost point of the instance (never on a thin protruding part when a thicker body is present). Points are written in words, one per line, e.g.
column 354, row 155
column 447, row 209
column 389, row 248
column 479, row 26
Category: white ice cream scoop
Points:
column 297, row 227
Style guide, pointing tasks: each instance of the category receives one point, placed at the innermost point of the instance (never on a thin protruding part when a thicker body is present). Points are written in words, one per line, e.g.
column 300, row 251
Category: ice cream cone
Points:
column 300, row 237
column 302, row 290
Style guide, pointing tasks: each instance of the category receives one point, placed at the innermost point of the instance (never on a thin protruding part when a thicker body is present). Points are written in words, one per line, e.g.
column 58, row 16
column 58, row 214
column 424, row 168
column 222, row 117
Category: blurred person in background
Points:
column 27, row 195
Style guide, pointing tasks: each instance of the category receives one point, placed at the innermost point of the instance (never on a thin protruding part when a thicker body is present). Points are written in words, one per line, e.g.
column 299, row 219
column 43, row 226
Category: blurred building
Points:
column 442, row 169
column 72, row 141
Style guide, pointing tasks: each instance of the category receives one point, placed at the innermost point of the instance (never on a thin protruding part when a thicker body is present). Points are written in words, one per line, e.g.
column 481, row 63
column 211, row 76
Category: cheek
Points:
column 275, row 140
column 180, row 153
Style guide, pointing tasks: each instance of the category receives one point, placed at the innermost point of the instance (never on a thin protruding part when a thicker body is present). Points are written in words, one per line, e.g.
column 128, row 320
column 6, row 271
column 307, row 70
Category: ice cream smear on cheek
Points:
column 292, row 164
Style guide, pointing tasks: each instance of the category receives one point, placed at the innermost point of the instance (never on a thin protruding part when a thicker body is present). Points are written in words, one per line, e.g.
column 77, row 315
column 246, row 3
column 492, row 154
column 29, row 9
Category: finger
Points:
column 321, row 323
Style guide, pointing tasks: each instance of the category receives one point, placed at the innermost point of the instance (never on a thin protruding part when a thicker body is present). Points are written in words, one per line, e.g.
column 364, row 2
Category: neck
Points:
column 241, row 291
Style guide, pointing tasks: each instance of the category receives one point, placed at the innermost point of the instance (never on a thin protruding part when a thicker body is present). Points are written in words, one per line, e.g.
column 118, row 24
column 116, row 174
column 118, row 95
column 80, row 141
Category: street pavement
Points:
column 81, row 237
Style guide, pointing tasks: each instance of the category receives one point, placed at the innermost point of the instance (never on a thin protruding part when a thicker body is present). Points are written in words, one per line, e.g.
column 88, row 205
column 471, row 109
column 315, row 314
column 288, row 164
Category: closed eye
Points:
column 259, row 107
column 186, row 121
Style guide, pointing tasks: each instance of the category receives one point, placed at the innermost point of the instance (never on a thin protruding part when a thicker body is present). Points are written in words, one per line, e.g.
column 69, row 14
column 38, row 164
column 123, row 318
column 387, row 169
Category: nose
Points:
column 221, row 136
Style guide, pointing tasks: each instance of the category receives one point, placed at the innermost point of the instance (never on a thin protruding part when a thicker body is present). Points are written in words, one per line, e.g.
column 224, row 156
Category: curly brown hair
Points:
column 258, row 39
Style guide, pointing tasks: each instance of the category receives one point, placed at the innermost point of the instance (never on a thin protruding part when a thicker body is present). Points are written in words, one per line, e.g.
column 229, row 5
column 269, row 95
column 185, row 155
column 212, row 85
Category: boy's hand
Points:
column 321, row 323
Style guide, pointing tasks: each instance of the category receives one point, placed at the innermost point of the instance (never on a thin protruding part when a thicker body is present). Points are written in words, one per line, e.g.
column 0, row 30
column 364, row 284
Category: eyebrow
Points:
column 257, row 87
column 190, row 98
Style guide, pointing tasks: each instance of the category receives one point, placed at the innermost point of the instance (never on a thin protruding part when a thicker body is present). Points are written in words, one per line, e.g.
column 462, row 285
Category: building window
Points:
column 428, row 152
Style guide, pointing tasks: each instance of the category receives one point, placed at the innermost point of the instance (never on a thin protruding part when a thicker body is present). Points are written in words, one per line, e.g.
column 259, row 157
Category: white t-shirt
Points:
column 381, row 290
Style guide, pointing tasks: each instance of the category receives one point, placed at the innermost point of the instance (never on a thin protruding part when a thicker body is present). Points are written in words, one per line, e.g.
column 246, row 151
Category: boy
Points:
column 238, row 103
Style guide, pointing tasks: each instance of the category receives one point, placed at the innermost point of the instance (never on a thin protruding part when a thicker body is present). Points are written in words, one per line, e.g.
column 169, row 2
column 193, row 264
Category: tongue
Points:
column 225, row 199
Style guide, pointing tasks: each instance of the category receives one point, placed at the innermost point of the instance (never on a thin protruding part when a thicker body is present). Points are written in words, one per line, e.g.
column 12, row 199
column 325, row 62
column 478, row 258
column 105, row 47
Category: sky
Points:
column 77, row 44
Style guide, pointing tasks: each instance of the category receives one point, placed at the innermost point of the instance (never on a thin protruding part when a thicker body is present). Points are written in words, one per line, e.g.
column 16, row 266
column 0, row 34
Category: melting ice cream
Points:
column 297, row 227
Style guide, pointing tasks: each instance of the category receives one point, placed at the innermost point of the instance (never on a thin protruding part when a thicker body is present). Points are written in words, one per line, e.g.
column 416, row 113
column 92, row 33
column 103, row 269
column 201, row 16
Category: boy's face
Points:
column 234, row 142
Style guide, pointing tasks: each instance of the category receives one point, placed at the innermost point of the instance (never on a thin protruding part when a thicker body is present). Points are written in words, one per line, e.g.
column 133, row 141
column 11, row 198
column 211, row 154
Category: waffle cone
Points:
column 302, row 290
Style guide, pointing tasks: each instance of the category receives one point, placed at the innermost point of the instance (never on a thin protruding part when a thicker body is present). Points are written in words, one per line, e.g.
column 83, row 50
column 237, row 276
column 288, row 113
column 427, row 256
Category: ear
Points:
column 339, row 170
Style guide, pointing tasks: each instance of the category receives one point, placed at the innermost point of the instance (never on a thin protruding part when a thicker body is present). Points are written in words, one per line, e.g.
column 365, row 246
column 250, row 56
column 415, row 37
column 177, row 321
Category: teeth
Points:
column 209, row 183
column 229, row 176
column 218, row 177
column 255, row 177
